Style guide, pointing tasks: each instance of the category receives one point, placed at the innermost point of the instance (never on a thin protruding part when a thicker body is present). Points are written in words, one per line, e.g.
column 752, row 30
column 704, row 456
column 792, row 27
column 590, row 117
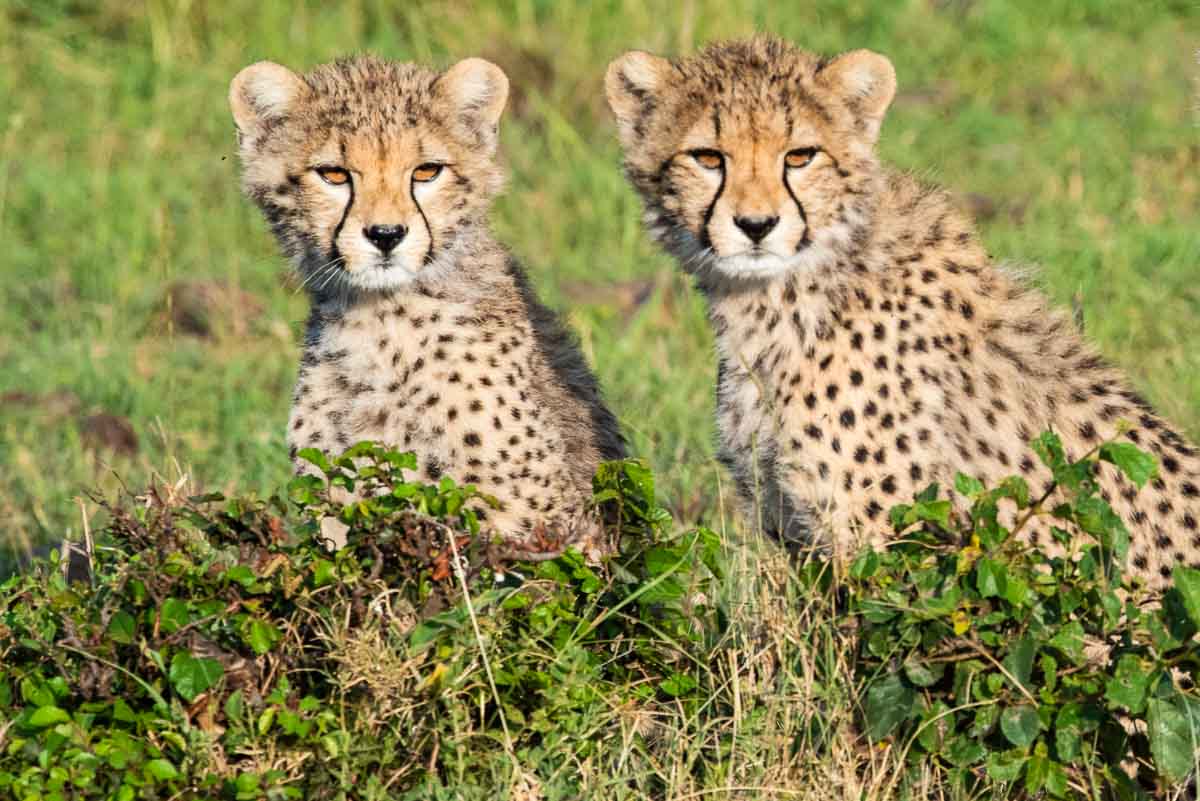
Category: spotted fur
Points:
column 433, row 341
column 867, row 345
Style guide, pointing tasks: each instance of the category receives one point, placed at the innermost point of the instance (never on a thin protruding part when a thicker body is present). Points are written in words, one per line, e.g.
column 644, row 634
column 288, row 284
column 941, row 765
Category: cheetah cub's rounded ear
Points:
column 262, row 92
column 478, row 89
column 866, row 82
column 631, row 83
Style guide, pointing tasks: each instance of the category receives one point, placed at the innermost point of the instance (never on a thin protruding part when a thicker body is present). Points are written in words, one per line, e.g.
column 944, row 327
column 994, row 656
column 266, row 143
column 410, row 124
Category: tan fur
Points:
column 439, row 345
column 867, row 346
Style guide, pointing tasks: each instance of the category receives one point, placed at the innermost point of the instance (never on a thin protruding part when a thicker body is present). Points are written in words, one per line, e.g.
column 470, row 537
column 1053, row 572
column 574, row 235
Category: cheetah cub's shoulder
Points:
column 424, row 334
column 867, row 345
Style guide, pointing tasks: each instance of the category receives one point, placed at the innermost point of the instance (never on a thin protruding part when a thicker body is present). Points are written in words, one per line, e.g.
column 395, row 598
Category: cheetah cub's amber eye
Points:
column 427, row 172
column 333, row 175
column 800, row 157
column 709, row 159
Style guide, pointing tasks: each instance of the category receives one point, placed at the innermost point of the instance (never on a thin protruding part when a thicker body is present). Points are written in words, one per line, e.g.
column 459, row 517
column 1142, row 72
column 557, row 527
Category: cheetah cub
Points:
column 867, row 345
column 376, row 178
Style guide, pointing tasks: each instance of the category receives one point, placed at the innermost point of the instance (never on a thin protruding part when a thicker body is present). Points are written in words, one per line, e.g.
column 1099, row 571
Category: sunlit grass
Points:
column 1074, row 122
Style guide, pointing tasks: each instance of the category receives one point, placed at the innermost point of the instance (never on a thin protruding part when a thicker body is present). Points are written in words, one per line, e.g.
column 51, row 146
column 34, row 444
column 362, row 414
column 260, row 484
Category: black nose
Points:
column 756, row 227
column 385, row 237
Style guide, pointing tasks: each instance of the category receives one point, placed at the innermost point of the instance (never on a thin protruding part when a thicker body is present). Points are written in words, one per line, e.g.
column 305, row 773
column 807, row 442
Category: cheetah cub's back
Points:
column 424, row 334
column 867, row 345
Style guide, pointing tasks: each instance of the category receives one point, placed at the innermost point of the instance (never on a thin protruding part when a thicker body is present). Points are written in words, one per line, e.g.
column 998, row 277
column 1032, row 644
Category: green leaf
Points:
column 122, row 712
column 402, row 461
column 936, row 724
column 1112, row 607
column 1049, row 673
column 241, row 574
column 1056, row 780
column 45, row 716
column 991, row 578
column 924, row 674
column 1129, row 685
column 173, row 615
column 963, row 752
column 315, row 458
column 985, row 720
column 248, row 786
column 930, row 493
column 1015, row 488
column 677, row 684
column 1019, row 661
column 305, row 490
column 641, row 478
column 191, row 676
column 1137, row 465
column 967, row 485
column 1187, row 584
column 261, row 635
column 662, row 560
column 1044, row 773
column 36, row 692
column 425, row 632
column 865, row 565
column 889, row 703
column 1006, row 766
column 324, row 572
column 1096, row 517
column 234, row 706
column 1073, row 722
column 941, row 605
column 897, row 515
column 929, row 511
column 1020, row 725
column 1049, row 449
column 1035, row 773
column 1016, row 590
column 161, row 769
column 1173, row 737
column 667, row 589
column 122, row 627
column 1069, row 640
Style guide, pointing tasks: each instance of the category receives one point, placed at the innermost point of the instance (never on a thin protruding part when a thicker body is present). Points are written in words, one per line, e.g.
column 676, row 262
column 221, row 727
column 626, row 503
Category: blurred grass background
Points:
column 147, row 324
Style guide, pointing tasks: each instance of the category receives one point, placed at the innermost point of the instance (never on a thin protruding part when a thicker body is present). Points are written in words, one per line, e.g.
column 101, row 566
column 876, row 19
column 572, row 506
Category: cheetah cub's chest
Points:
column 816, row 406
column 442, row 380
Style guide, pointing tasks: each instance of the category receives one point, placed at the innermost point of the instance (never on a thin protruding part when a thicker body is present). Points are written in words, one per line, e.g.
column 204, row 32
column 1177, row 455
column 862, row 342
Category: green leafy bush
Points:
column 221, row 651
column 1003, row 664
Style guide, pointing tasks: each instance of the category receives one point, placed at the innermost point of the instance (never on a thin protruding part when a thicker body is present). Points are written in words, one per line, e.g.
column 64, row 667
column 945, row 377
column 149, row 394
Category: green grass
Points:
column 1075, row 120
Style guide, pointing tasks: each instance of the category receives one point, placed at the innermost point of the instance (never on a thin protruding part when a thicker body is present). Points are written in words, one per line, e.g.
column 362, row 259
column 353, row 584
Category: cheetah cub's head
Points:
column 370, row 172
column 754, row 159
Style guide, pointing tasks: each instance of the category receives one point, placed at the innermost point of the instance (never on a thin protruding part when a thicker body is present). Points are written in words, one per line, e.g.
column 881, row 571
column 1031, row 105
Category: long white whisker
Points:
column 323, row 273
column 312, row 274
column 307, row 276
column 332, row 274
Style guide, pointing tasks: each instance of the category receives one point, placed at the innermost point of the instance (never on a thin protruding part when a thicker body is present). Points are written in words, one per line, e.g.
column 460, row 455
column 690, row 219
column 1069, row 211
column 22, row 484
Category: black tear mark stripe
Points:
column 705, row 239
column 335, row 252
column 412, row 193
column 804, row 239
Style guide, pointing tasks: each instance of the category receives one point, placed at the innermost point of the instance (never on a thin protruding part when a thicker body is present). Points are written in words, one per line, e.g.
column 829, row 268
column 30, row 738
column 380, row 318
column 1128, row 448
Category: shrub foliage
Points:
column 223, row 651
column 1043, row 672
column 220, row 650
